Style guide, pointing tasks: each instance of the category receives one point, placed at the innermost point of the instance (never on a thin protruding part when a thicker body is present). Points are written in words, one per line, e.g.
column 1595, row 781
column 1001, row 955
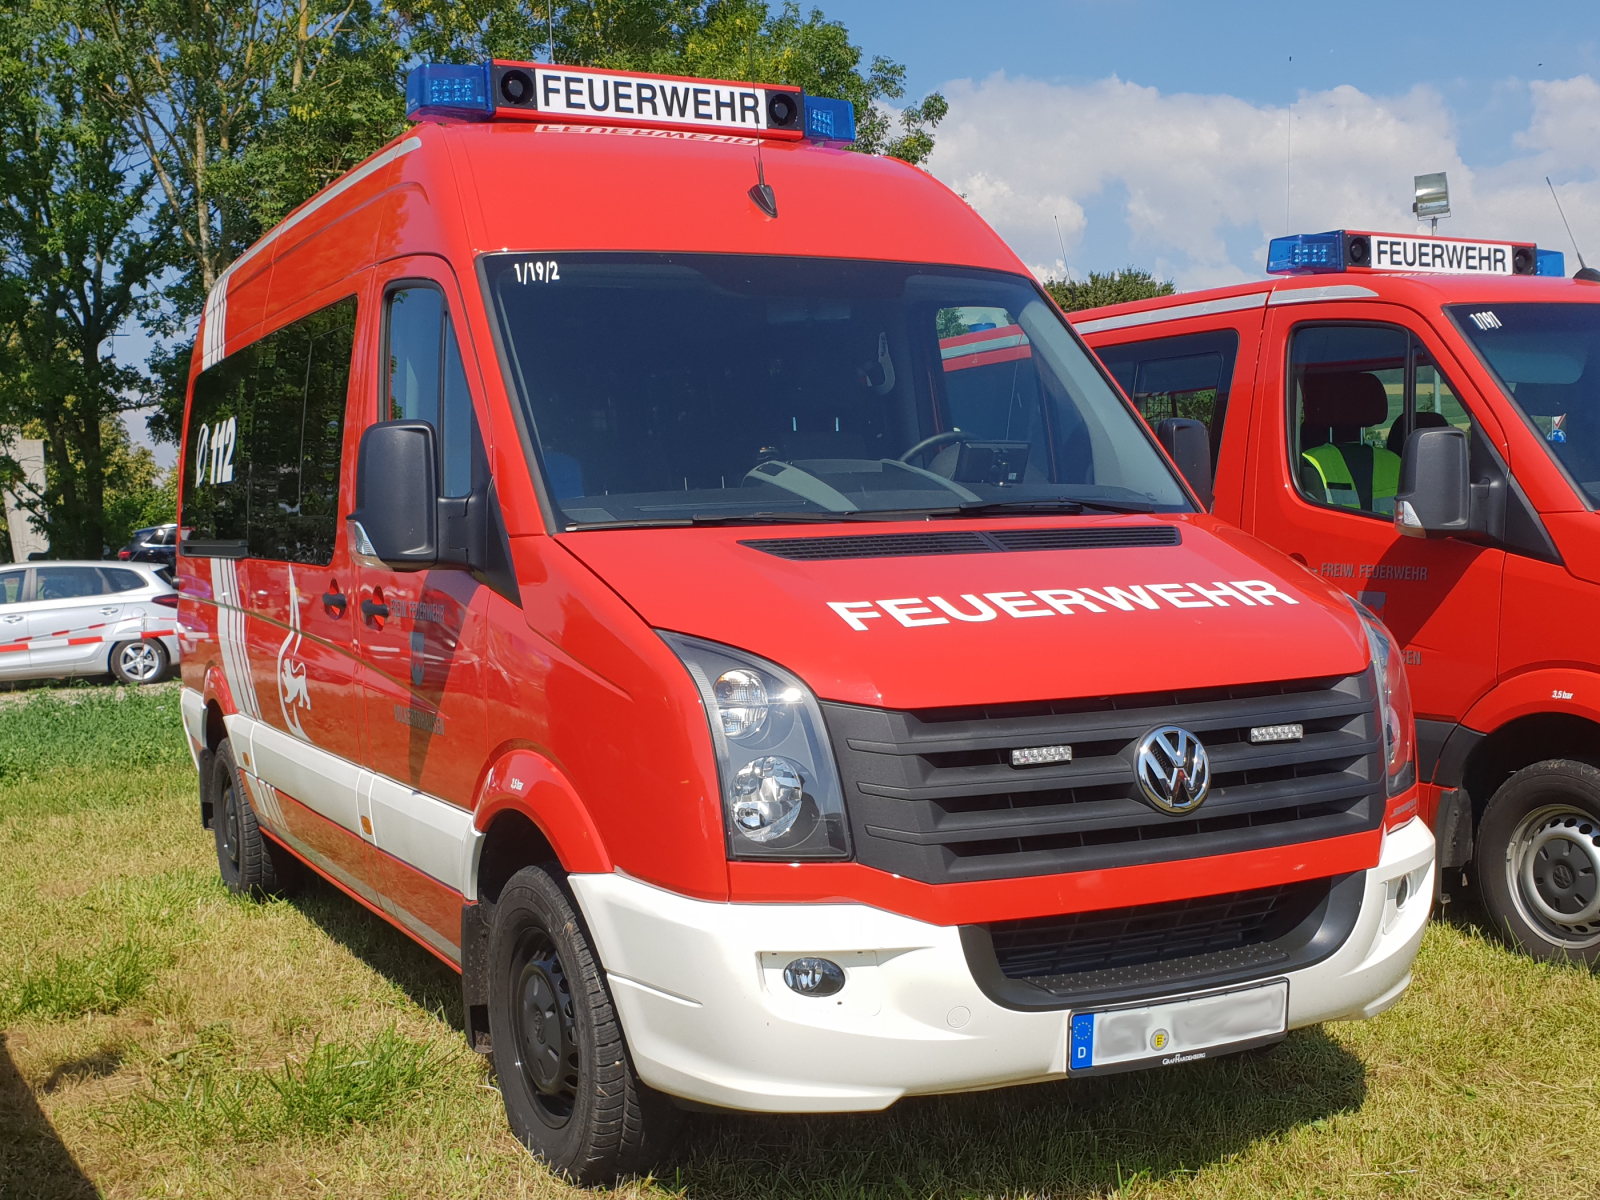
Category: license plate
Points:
column 1182, row 1030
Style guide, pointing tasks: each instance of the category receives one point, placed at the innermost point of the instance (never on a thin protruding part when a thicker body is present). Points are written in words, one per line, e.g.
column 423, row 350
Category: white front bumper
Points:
column 699, row 987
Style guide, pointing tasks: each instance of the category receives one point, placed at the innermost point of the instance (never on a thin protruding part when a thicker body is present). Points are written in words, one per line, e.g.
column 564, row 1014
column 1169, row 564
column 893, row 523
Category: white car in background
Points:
column 63, row 619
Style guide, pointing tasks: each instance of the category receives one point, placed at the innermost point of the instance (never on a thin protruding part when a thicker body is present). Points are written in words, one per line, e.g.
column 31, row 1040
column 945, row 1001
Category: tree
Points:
column 1118, row 287
column 80, row 252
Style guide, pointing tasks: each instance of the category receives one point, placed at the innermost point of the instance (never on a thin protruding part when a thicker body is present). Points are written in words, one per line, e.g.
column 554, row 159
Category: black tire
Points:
column 570, row 1090
column 140, row 662
column 251, row 865
column 1538, row 860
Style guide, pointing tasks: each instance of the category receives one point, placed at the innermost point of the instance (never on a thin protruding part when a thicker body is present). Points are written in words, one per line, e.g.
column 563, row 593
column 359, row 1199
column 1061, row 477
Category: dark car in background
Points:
column 155, row 544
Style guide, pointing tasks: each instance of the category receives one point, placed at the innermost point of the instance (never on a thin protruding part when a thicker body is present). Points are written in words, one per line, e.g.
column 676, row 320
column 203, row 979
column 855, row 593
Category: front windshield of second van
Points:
column 686, row 388
column 1547, row 358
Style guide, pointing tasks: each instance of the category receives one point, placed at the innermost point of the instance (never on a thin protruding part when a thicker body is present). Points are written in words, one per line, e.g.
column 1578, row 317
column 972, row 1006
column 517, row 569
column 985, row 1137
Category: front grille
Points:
column 969, row 541
column 1123, row 953
column 932, row 795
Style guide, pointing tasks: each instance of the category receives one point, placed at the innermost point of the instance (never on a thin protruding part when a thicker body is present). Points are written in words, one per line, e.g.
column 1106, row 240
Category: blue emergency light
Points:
column 449, row 90
column 1552, row 262
column 543, row 91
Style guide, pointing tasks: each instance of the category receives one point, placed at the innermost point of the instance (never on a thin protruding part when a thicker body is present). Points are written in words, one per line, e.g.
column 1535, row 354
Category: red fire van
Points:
column 689, row 577
column 1416, row 420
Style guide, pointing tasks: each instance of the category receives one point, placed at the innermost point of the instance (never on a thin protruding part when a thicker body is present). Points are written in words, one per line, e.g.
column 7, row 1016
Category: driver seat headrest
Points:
column 1344, row 400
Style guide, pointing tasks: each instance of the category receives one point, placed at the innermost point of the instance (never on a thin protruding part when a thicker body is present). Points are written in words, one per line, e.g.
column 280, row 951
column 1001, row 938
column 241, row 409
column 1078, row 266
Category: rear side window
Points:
column 67, row 583
column 427, row 381
column 11, row 586
column 266, row 432
column 1186, row 376
column 123, row 580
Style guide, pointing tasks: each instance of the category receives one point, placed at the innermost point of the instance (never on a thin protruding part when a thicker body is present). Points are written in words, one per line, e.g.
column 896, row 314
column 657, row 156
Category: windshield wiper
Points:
column 1047, row 507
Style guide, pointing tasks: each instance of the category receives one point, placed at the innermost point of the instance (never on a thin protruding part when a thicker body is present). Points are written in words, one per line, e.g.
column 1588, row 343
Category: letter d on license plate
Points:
column 1181, row 1030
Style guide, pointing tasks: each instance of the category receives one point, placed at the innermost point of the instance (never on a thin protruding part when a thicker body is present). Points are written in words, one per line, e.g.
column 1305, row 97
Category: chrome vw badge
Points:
column 1174, row 772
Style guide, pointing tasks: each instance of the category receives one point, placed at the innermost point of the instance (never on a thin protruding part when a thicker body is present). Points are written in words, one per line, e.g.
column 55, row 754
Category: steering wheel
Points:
column 946, row 438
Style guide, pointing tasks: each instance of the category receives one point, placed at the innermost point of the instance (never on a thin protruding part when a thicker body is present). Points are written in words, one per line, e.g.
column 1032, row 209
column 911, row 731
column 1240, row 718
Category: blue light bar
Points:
column 449, row 90
column 830, row 120
column 1306, row 253
column 1552, row 262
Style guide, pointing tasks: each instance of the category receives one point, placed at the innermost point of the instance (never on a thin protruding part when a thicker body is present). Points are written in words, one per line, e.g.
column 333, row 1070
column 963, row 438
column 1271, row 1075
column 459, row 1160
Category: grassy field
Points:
column 158, row 1037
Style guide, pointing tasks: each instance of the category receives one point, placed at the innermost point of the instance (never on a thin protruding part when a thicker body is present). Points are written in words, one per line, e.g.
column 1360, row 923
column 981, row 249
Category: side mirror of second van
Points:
column 397, row 495
column 1435, row 494
column 1189, row 444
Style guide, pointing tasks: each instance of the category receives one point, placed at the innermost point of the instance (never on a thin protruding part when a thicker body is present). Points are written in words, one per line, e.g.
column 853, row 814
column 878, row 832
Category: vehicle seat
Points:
column 1336, row 465
column 1425, row 420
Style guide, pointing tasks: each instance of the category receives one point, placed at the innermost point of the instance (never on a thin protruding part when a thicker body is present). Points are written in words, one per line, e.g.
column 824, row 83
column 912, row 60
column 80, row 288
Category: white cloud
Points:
column 1200, row 179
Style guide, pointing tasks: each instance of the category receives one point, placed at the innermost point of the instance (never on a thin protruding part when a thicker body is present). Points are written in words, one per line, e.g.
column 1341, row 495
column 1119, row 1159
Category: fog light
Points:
column 1402, row 893
column 814, row 976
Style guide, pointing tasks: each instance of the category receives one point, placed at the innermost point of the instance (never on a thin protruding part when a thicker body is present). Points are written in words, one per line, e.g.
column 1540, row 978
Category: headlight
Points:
column 1395, row 715
column 780, row 789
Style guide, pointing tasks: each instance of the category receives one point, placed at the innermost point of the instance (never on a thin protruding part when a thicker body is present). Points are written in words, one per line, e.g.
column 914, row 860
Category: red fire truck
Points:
column 689, row 577
column 1416, row 420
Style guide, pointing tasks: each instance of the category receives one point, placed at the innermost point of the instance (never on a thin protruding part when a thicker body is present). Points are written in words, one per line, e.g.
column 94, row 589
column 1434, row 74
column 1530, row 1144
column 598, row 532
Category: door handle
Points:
column 372, row 608
column 332, row 601
column 13, row 620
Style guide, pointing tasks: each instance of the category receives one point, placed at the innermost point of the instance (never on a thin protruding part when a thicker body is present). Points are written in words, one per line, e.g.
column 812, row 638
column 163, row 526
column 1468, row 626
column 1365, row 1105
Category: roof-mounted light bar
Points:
column 1367, row 253
column 588, row 95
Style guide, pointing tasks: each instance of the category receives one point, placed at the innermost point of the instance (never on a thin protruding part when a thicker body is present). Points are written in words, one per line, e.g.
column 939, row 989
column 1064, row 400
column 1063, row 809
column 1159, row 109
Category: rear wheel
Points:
column 250, row 864
column 1538, row 860
column 570, row 1091
column 143, row 661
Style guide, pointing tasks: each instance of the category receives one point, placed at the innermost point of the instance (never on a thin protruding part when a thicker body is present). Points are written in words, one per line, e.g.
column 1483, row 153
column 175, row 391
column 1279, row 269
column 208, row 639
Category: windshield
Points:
column 1548, row 359
column 678, row 388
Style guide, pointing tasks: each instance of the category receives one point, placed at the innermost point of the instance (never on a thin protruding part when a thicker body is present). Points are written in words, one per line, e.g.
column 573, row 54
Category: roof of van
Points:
column 1420, row 291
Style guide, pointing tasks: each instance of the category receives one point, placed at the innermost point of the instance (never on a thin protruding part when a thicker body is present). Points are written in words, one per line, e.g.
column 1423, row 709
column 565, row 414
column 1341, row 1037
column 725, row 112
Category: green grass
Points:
column 158, row 1036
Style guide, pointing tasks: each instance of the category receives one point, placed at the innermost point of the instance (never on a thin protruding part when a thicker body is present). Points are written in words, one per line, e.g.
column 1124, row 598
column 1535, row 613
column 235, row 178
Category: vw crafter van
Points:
column 689, row 577
column 1417, row 420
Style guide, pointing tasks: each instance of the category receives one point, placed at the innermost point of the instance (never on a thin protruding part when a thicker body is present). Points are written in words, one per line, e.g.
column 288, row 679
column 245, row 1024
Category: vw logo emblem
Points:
column 1174, row 772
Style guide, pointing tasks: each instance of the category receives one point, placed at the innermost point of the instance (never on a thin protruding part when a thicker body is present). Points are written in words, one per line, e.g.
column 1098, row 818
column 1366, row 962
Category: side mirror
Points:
column 1189, row 444
column 397, row 495
column 1435, row 496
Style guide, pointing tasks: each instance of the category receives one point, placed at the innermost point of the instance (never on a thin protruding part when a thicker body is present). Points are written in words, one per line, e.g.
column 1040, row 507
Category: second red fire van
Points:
column 1416, row 420
column 689, row 577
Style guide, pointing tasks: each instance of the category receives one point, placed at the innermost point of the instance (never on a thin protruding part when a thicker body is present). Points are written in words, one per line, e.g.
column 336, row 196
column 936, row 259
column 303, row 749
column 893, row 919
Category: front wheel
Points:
column 250, row 864
column 570, row 1091
column 143, row 661
column 1538, row 860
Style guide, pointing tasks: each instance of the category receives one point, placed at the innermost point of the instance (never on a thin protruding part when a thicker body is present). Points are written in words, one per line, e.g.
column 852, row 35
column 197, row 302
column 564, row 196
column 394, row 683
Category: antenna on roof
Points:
column 1584, row 271
column 761, row 191
column 550, row 26
column 1063, row 242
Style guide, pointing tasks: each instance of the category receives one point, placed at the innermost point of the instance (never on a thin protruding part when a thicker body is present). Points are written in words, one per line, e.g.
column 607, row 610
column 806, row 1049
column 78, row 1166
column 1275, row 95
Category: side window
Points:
column 1347, row 393
column 11, row 586
column 1185, row 376
column 428, row 383
column 266, row 433
column 123, row 580
column 66, row 583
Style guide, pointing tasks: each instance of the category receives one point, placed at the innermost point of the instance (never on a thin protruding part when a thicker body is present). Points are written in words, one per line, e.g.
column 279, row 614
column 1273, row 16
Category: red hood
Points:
column 706, row 583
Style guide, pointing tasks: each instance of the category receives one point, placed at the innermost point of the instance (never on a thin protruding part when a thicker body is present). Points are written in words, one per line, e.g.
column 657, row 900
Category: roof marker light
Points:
column 449, row 90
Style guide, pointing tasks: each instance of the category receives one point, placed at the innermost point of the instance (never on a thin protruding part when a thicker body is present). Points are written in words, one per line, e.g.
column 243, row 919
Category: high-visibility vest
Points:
column 1377, row 468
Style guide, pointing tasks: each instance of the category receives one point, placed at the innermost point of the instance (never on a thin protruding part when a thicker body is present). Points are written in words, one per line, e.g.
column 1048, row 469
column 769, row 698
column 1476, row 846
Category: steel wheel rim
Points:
column 230, row 823
column 544, row 1028
column 1553, row 874
column 138, row 661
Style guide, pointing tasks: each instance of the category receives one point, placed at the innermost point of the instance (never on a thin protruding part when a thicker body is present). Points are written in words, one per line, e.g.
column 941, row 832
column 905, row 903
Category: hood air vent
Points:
column 966, row 541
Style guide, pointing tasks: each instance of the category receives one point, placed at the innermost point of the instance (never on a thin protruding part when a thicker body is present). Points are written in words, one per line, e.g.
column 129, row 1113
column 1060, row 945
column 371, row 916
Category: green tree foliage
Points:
column 1116, row 287
column 80, row 253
